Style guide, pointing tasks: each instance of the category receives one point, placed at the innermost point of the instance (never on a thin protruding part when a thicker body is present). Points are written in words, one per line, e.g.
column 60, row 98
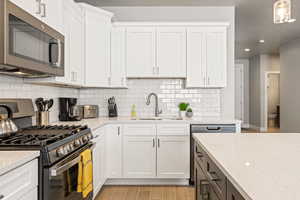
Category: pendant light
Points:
column 282, row 12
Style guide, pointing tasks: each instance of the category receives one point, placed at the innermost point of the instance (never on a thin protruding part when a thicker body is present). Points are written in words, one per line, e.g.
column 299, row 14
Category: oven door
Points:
column 60, row 180
column 31, row 44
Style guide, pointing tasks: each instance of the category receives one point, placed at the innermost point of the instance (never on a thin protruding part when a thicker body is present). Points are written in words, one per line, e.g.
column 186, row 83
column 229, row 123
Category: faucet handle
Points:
column 160, row 111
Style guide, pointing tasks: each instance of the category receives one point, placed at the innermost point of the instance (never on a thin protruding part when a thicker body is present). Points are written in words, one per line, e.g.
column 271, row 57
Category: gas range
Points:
column 54, row 142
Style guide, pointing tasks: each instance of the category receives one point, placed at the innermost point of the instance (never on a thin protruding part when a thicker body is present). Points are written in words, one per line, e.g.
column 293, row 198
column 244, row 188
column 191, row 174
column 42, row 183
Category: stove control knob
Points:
column 85, row 139
column 77, row 143
column 60, row 152
column 71, row 146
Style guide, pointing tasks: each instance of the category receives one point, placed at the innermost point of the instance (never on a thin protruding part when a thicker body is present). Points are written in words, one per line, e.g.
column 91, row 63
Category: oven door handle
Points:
column 55, row 170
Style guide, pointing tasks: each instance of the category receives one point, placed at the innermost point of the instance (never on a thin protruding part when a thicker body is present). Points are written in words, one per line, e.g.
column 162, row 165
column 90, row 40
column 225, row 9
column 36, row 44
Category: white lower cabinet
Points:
column 99, row 160
column 20, row 183
column 156, row 151
column 139, row 157
column 173, row 157
column 114, row 151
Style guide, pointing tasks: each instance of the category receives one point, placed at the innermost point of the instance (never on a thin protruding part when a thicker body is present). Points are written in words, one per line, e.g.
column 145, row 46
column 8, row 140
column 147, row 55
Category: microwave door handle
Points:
column 58, row 64
column 54, row 171
column 50, row 52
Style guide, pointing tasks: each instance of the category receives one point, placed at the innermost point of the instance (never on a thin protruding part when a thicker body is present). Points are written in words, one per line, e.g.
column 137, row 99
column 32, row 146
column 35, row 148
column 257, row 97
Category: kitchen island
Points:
column 257, row 166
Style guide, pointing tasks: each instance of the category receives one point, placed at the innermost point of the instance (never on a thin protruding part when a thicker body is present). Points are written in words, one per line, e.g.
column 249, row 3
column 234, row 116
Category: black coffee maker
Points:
column 112, row 107
column 69, row 110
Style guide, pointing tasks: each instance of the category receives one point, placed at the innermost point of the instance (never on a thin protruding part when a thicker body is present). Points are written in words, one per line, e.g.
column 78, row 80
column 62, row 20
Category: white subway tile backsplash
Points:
column 11, row 87
column 205, row 102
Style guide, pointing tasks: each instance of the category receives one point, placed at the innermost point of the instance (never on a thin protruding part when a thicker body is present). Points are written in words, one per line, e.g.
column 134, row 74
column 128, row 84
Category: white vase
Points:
column 181, row 114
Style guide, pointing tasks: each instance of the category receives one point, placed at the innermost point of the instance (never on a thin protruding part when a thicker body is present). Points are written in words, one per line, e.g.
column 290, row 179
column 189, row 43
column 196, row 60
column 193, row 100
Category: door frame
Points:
column 265, row 103
column 243, row 92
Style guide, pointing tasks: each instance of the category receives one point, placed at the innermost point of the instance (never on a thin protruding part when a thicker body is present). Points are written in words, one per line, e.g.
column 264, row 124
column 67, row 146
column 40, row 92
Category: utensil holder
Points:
column 42, row 118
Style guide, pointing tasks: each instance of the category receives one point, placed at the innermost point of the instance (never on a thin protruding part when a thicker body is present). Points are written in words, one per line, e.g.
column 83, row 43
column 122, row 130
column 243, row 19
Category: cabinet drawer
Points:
column 99, row 132
column 216, row 178
column 139, row 129
column 200, row 156
column 173, row 129
column 18, row 182
column 232, row 193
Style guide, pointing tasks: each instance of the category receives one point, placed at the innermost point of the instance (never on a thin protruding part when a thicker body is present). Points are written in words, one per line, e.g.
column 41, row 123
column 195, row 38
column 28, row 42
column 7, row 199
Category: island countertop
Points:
column 10, row 160
column 260, row 166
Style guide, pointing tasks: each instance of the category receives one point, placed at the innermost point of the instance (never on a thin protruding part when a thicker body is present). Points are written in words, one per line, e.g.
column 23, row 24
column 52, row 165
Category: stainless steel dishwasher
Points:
column 207, row 128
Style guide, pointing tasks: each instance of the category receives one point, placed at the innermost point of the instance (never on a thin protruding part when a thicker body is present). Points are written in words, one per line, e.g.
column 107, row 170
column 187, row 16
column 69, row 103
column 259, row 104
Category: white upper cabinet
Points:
column 207, row 57
column 118, row 68
column 140, row 52
column 171, row 52
column 156, row 52
column 97, row 47
column 49, row 11
column 33, row 7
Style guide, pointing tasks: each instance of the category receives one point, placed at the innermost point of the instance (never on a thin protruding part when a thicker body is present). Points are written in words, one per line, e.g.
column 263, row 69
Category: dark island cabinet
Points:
column 210, row 182
column 232, row 193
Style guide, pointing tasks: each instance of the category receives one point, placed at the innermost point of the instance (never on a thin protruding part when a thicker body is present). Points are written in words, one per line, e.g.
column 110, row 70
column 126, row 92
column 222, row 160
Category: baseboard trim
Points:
column 147, row 182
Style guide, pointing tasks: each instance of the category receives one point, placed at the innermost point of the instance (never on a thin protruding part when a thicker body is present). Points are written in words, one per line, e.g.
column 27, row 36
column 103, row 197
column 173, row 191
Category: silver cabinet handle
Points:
column 119, row 130
column 158, row 143
column 153, row 70
column 39, row 11
column 109, row 80
column 43, row 5
column 153, row 142
column 1, row 196
column 208, row 79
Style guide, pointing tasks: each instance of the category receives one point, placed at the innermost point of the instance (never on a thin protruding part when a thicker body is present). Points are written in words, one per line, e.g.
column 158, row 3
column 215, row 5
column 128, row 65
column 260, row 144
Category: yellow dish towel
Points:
column 85, row 173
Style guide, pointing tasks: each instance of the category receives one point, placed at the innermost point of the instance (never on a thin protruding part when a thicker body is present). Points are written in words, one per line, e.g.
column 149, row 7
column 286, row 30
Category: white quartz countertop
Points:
column 260, row 166
column 102, row 121
column 10, row 160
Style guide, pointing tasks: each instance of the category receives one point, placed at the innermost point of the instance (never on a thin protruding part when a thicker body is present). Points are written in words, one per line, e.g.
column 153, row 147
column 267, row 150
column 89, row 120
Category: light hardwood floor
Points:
column 146, row 193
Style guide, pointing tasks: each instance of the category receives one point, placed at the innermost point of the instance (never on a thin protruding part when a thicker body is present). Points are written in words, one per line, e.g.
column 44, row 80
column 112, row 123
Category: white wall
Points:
column 11, row 87
column 204, row 14
column 245, row 63
column 259, row 66
column 289, row 87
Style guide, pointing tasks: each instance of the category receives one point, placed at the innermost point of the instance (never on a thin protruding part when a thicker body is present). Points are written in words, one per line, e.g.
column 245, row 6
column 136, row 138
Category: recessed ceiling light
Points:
column 261, row 41
column 247, row 50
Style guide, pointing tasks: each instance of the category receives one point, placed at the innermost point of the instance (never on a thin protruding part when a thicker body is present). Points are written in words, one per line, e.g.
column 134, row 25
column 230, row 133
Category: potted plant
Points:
column 182, row 108
column 189, row 113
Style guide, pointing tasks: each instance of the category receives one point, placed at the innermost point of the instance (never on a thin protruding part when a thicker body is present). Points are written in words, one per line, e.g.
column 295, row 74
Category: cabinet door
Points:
column 196, row 59
column 114, row 151
column 139, row 157
column 118, row 70
column 171, row 52
column 173, row 157
column 97, row 49
column 216, row 56
column 33, row 7
column 140, row 52
column 52, row 13
column 99, row 161
column 77, row 47
column 232, row 193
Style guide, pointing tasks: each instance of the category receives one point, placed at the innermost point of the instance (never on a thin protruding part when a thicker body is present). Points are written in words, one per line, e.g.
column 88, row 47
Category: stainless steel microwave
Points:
column 28, row 47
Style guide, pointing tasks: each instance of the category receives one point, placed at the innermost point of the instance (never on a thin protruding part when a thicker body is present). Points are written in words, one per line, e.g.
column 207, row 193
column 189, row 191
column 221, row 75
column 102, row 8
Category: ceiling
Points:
column 254, row 21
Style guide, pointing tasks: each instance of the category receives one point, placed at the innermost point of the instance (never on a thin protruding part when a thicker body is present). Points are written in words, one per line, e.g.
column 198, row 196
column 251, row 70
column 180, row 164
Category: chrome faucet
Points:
column 157, row 110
